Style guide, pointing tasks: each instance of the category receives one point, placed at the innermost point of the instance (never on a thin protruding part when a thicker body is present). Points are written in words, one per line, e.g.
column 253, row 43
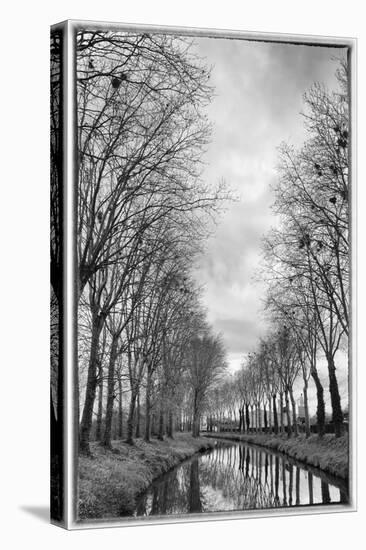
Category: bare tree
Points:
column 141, row 131
column 310, row 251
column 206, row 364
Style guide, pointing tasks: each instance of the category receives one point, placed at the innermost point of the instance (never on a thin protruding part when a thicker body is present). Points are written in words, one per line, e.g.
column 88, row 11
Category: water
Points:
column 238, row 476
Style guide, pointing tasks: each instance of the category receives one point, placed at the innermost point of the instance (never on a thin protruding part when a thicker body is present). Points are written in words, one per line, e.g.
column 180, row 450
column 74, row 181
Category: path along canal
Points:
column 239, row 476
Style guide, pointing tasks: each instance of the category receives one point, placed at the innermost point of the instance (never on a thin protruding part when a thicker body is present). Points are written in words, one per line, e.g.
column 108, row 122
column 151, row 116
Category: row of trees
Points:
column 260, row 396
column 143, row 214
column 306, row 266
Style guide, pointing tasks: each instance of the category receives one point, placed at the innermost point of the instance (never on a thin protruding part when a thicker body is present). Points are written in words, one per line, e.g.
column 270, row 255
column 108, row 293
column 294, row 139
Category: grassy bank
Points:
column 110, row 481
column 328, row 453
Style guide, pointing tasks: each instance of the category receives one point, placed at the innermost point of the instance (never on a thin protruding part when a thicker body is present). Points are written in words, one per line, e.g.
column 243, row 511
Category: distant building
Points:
column 301, row 409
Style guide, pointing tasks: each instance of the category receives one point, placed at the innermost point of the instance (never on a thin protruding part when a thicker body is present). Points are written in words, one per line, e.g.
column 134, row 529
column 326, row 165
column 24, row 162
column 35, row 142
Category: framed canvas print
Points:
column 202, row 274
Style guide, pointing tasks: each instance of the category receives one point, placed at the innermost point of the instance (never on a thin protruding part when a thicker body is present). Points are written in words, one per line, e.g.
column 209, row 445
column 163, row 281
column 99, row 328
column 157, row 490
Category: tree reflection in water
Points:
column 239, row 477
column 195, row 503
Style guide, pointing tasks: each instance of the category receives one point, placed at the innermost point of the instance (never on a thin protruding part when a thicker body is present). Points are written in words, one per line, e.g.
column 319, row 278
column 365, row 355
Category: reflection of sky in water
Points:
column 238, row 477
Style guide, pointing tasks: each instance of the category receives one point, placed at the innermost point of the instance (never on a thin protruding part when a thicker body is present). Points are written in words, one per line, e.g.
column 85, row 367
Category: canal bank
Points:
column 328, row 453
column 110, row 481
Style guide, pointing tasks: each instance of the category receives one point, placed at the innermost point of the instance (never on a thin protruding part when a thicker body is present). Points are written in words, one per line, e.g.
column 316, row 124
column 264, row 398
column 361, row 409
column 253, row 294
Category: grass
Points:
column 327, row 453
column 110, row 481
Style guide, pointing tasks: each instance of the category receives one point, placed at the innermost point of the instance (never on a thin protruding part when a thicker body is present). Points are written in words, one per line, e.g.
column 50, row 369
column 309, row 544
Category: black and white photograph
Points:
column 207, row 235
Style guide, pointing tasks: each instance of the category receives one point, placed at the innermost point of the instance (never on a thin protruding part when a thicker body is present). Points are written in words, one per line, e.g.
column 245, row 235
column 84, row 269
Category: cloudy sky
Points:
column 259, row 91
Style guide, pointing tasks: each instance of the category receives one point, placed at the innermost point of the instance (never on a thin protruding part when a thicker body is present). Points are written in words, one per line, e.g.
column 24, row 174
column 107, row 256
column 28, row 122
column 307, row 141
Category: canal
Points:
column 237, row 476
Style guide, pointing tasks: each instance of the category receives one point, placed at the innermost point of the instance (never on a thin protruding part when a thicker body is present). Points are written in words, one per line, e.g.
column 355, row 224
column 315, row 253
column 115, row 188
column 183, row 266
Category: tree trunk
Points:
column 306, row 409
column 270, row 417
column 247, row 417
column 196, row 425
column 281, row 412
column 320, row 410
column 161, row 421
column 196, row 417
column 120, row 410
column 107, row 437
column 170, row 424
column 148, row 405
column 275, row 417
column 259, row 418
column 98, row 432
column 337, row 416
column 131, row 417
column 138, row 416
column 91, row 385
column 288, row 417
column 114, row 426
column 265, row 418
column 294, row 419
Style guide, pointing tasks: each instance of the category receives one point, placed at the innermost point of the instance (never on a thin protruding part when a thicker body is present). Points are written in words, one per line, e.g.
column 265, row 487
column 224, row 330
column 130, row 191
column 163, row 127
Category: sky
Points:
column 258, row 99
